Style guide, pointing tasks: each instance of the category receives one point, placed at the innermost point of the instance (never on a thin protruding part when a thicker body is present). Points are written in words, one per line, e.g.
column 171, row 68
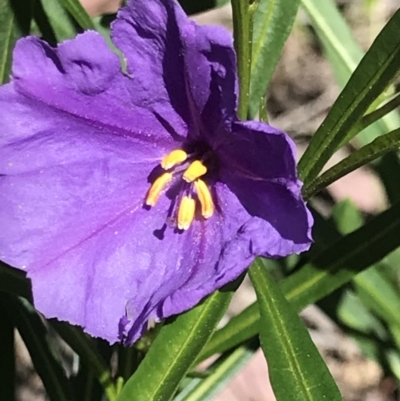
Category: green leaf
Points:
column 375, row 71
column 345, row 258
column 366, row 154
column 295, row 366
column 336, row 36
column 344, row 54
column 15, row 21
column 84, row 347
column 43, row 23
column 346, row 217
column 356, row 315
column 365, row 328
column 331, row 268
column 239, row 329
column 377, row 292
column 14, row 281
column 75, row 8
column 388, row 168
column 34, row 334
column 174, row 350
column 60, row 20
column 373, row 117
column 393, row 358
column 273, row 21
column 219, row 374
column 7, row 360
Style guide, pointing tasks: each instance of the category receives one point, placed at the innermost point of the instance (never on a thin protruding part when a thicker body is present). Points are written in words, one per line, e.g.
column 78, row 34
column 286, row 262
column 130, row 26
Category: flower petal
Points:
column 210, row 254
column 61, row 224
column 258, row 165
column 73, row 219
column 40, row 148
column 68, row 223
column 173, row 60
column 79, row 141
column 82, row 77
column 112, row 268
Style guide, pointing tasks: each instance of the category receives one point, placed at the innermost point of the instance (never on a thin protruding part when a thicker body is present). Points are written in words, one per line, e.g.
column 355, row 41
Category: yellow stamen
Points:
column 205, row 198
column 177, row 156
column 186, row 211
column 156, row 188
column 195, row 170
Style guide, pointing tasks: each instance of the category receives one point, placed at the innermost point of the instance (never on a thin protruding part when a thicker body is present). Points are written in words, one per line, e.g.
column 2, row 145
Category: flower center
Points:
column 196, row 189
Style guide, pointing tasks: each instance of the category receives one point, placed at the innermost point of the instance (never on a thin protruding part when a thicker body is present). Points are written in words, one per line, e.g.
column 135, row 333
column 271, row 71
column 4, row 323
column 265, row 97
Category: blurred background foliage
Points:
column 333, row 85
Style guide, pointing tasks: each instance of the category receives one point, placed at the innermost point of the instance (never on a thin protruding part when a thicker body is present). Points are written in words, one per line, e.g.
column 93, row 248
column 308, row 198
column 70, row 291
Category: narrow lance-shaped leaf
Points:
column 372, row 118
column 388, row 168
column 83, row 346
column 239, row 328
column 273, row 21
column 60, row 20
column 34, row 335
column 15, row 20
column 336, row 36
column 344, row 53
column 295, row 366
column 377, row 294
column 333, row 267
column 219, row 374
column 75, row 8
column 366, row 154
column 378, row 67
column 372, row 285
column 43, row 23
column 345, row 258
column 174, row 350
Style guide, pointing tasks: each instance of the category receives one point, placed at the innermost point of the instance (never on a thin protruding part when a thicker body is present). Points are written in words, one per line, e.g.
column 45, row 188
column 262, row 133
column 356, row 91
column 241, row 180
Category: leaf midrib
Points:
column 194, row 328
column 280, row 327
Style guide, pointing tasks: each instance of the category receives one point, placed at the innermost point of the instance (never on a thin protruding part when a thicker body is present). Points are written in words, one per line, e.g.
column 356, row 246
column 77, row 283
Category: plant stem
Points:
column 243, row 11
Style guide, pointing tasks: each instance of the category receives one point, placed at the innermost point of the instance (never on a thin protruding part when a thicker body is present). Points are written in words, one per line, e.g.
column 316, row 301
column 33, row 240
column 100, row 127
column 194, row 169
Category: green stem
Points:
column 243, row 11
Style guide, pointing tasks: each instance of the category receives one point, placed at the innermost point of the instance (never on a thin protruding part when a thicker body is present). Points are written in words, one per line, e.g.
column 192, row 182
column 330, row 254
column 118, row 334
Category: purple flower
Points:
column 132, row 195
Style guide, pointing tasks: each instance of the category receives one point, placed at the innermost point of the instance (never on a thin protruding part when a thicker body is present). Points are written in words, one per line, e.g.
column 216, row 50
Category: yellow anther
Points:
column 195, row 170
column 177, row 156
column 156, row 188
column 186, row 212
column 205, row 198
